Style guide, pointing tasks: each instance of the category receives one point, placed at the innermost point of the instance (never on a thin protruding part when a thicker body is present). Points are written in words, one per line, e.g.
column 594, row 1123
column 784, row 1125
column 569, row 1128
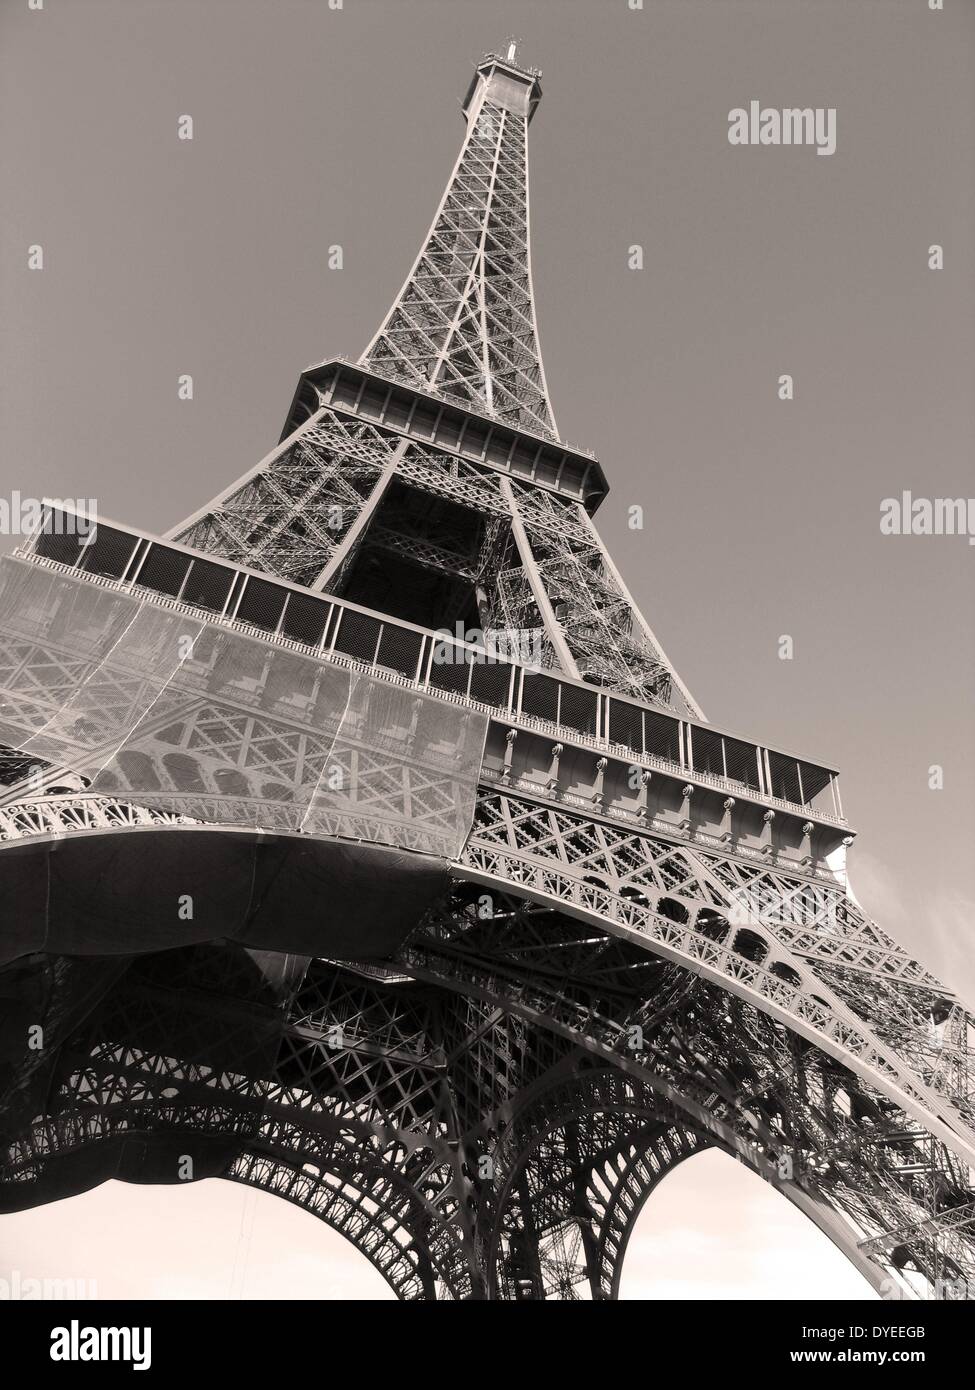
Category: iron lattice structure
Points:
column 468, row 1010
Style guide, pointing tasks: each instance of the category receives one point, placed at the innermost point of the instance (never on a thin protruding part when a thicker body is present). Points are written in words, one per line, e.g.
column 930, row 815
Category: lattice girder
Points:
column 594, row 1000
column 534, row 849
column 464, row 322
column 735, row 1075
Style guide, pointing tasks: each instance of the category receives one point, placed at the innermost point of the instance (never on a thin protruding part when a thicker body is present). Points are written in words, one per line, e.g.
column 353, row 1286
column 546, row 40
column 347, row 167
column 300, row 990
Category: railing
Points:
column 410, row 656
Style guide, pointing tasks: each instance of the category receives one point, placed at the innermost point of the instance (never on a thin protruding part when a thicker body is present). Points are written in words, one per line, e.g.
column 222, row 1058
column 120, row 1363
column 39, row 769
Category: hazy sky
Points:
column 713, row 1230
column 315, row 127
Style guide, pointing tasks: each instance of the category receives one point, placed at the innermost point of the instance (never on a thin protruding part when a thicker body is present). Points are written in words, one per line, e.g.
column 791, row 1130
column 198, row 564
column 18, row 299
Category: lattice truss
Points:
column 15, row 766
column 607, row 636
column 484, row 1114
column 799, row 945
column 464, row 322
column 492, row 1131
column 505, row 595
column 340, row 1093
column 291, row 514
column 834, row 1143
column 604, row 630
column 731, row 1004
column 797, row 951
column 292, row 517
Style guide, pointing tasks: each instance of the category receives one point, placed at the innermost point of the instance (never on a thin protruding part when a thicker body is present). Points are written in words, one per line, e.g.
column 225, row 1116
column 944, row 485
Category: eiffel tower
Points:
column 359, row 842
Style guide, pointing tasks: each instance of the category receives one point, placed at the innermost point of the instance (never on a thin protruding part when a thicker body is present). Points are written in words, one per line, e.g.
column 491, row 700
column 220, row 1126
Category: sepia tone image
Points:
column 486, row 653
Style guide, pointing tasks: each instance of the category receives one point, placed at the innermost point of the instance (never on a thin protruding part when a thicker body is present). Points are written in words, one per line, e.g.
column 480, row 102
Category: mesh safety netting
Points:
column 165, row 709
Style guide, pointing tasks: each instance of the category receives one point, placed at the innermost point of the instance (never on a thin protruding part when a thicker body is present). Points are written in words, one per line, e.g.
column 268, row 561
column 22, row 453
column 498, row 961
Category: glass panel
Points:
column 164, row 570
column 358, row 635
column 490, row 683
column 305, row 618
column 578, row 709
column 814, row 780
column 55, row 542
column 706, row 749
column 785, row 776
column 399, row 649
column 450, row 667
column 742, row 762
column 626, row 725
column 661, row 736
column 262, row 604
column 540, row 696
column 109, row 552
column 208, row 585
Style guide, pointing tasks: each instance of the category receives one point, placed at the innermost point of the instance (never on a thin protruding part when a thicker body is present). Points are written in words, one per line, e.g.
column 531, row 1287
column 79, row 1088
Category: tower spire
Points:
column 463, row 325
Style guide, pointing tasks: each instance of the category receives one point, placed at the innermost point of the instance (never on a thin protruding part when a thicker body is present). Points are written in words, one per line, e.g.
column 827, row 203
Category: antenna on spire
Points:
column 510, row 49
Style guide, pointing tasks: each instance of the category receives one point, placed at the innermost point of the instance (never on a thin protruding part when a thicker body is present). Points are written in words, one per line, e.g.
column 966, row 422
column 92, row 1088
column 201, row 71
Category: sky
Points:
column 315, row 127
column 712, row 1230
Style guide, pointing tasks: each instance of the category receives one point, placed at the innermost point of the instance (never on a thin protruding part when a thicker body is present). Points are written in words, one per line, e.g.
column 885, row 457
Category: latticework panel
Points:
column 746, row 1081
column 671, row 895
column 604, row 630
column 464, row 322
column 291, row 514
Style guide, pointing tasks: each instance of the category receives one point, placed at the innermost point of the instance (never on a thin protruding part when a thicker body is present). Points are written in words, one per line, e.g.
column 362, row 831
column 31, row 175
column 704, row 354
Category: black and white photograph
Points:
column 487, row 535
